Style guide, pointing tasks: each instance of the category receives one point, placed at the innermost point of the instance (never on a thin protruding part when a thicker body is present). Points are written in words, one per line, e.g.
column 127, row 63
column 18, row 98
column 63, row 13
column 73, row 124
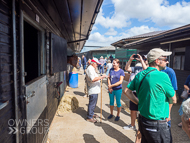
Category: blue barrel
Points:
column 73, row 80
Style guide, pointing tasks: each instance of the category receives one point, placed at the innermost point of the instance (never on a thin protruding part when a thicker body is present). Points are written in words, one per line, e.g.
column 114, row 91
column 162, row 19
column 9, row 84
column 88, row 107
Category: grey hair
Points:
column 186, row 109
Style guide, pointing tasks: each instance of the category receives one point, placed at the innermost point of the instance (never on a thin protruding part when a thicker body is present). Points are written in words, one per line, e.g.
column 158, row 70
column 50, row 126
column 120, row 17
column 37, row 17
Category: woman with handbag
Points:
column 185, row 95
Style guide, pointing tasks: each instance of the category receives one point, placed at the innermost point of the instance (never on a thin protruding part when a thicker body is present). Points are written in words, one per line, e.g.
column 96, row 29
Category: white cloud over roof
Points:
column 157, row 11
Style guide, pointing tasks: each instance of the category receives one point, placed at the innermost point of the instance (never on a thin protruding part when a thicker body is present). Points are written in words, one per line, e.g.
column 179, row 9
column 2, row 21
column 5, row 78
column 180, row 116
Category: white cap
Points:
column 138, row 65
column 156, row 53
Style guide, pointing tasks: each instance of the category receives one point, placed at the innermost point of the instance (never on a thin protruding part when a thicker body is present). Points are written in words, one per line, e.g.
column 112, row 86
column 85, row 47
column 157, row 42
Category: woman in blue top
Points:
column 115, row 79
column 187, row 87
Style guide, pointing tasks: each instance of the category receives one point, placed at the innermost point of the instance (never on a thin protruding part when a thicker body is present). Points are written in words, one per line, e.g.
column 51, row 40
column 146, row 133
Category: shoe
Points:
column 95, row 116
column 180, row 124
column 129, row 127
column 91, row 120
column 85, row 96
column 117, row 118
column 110, row 116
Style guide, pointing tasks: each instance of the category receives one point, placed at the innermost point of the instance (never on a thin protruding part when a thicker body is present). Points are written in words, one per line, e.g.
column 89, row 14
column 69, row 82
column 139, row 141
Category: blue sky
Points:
column 120, row 19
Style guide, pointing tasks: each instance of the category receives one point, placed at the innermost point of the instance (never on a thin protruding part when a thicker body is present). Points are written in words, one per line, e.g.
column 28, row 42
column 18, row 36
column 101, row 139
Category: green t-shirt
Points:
column 153, row 94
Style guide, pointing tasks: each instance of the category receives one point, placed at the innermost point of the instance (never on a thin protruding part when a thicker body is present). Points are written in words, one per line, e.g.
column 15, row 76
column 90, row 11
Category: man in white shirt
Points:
column 93, row 86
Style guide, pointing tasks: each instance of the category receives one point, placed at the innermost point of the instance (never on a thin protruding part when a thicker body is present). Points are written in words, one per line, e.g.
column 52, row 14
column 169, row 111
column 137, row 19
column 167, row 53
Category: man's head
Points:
column 186, row 116
column 95, row 62
column 158, row 58
column 82, row 56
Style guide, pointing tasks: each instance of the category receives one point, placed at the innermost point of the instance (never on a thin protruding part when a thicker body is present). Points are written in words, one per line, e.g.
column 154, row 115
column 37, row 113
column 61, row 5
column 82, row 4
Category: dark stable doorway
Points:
column 30, row 52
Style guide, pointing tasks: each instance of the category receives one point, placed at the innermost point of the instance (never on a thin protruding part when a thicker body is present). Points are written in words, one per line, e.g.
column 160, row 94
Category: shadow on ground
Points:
column 109, row 130
column 122, row 110
column 114, row 133
column 79, row 93
column 89, row 138
column 83, row 113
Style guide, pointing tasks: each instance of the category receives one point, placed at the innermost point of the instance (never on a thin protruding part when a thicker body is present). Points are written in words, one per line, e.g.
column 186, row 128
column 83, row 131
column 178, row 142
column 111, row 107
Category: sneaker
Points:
column 85, row 96
column 117, row 118
column 110, row 116
column 129, row 127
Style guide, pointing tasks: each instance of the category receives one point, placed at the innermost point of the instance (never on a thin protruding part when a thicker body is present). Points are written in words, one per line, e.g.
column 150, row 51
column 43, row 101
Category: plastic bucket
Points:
column 73, row 80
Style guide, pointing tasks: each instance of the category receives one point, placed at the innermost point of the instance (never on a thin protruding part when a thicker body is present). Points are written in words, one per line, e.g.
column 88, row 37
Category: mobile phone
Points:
column 135, row 56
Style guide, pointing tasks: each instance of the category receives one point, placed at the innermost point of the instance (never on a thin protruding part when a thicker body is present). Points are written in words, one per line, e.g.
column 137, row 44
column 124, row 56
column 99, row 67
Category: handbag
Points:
column 184, row 94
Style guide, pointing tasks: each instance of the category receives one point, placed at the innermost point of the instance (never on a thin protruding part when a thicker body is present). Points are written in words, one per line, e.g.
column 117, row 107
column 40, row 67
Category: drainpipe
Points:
column 169, row 56
column 15, row 69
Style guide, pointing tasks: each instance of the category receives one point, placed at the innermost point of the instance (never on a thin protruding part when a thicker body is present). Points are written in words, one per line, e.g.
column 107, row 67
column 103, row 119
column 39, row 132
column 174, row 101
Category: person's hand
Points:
column 104, row 76
column 168, row 119
column 139, row 58
column 131, row 58
column 110, row 90
column 109, row 87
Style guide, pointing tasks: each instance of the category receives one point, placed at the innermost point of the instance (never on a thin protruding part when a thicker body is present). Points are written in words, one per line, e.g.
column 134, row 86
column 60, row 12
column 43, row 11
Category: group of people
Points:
column 151, row 90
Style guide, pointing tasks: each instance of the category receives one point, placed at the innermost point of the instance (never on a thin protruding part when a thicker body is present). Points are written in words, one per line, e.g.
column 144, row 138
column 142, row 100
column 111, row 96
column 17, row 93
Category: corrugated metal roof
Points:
column 111, row 48
column 145, row 35
column 159, row 35
column 150, row 34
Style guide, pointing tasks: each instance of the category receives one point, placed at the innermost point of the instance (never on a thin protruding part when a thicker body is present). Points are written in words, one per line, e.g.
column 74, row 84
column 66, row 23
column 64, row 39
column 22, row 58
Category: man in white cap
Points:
column 93, row 87
column 154, row 90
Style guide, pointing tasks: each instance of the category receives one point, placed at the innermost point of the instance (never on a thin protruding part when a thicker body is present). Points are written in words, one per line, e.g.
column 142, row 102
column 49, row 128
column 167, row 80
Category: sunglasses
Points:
column 164, row 59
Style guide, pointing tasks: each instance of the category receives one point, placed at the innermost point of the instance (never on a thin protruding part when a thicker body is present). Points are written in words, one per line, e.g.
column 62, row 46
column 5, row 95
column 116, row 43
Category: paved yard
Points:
column 73, row 128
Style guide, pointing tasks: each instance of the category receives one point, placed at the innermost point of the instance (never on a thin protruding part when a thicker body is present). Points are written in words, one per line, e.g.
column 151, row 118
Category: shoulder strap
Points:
column 144, row 78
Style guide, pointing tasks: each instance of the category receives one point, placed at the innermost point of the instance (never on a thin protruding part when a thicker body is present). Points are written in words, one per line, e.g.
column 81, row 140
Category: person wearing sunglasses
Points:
column 155, row 92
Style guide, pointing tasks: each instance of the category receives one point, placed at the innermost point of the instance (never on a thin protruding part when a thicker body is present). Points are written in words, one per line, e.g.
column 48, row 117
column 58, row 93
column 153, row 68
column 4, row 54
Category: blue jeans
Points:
column 154, row 131
column 84, row 67
column 101, row 69
column 117, row 94
column 92, row 104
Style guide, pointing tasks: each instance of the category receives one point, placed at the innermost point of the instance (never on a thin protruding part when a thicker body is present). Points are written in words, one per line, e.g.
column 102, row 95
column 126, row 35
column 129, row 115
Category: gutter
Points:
column 15, row 69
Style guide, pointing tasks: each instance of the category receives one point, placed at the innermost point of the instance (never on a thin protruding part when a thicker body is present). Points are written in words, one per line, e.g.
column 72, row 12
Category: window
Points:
column 179, row 59
column 34, row 53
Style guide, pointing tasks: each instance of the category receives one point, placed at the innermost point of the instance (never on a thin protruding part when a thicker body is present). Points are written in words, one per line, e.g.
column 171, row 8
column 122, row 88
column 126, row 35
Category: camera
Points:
column 135, row 56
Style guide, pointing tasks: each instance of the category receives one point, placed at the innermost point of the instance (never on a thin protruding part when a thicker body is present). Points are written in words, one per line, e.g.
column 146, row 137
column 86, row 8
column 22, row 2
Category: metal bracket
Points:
column 2, row 105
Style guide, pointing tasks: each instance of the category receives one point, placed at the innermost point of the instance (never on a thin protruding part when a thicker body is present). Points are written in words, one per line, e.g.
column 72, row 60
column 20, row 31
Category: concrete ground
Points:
column 73, row 128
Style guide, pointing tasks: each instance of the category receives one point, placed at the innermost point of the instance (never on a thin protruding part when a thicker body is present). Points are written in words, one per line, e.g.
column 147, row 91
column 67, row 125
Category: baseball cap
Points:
column 156, row 53
column 95, row 60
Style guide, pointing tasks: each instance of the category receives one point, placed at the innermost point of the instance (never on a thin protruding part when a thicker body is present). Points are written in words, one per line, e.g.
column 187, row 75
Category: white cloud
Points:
column 96, row 39
column 158, row 11
column 94, row 28
column 111, row 31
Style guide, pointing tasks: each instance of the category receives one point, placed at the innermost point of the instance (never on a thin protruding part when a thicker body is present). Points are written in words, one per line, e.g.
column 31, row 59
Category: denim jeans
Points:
column 101, row 69
column 154, row 131
column 92, row 104
column 84, row 67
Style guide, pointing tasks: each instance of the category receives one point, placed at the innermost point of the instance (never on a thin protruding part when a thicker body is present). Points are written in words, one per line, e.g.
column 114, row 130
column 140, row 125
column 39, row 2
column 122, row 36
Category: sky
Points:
column 120, row 19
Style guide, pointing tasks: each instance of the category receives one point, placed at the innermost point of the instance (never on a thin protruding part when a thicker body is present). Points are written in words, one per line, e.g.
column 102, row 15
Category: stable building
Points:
column 35, row 37
column 176, row 40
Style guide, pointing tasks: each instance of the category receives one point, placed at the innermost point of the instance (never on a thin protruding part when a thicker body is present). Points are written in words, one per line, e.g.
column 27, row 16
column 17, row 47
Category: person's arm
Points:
column 128, row 64
column 142, row 62
column 117, row 83
column 170, row 108
column 99, row 78
column 131, row 96
column 186, row 87
column 186, row 83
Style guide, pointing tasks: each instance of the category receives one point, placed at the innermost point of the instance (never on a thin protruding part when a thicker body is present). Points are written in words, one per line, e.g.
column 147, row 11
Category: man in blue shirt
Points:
column 173, row 79
column 84, row 62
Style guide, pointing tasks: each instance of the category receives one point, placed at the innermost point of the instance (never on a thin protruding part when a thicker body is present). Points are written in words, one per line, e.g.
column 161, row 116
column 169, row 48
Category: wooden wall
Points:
column 6, row 71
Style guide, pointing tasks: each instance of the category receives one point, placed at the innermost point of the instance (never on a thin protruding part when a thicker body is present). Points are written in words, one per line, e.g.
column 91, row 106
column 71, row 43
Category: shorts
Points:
column 133, row 106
